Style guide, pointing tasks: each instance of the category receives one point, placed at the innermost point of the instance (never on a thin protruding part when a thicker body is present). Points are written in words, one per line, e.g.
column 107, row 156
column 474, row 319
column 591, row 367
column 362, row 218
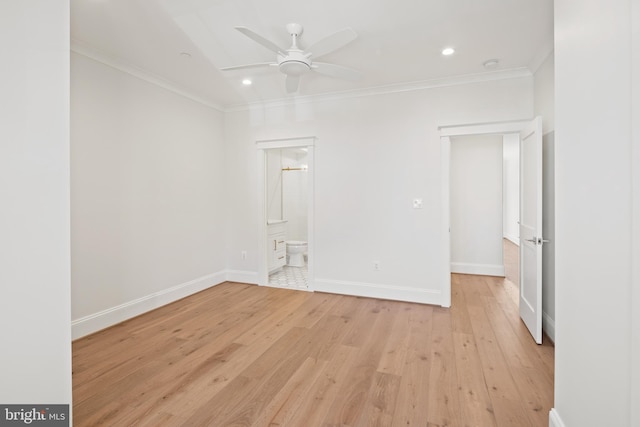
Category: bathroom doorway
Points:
column 286, row 232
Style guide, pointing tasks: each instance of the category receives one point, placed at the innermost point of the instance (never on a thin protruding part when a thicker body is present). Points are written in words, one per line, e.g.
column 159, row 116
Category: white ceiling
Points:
column 399, row 41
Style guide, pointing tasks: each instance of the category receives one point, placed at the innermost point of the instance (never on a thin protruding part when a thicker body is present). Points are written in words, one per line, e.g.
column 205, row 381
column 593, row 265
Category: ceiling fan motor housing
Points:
column 295, row 63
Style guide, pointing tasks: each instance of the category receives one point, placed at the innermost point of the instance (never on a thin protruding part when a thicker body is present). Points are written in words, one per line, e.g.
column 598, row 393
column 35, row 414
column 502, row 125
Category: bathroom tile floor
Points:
column 289, row 277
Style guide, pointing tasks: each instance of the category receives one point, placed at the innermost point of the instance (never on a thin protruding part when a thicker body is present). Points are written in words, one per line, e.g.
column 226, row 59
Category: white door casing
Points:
column 262, row 145
column 529, row 131
column 531, row 240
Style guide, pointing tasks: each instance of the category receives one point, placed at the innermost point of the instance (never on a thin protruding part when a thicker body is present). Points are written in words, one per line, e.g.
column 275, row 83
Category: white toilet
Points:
column 295, row 253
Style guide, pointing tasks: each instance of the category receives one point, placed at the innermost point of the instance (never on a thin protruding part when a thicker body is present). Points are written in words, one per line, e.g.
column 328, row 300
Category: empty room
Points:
column 243, row 212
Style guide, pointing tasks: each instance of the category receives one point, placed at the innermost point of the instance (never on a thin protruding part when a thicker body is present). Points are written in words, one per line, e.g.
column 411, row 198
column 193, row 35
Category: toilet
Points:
column 295, row 253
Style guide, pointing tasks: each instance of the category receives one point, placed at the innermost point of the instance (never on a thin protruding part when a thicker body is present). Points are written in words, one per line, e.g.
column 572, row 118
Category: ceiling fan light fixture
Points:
column 294, row 68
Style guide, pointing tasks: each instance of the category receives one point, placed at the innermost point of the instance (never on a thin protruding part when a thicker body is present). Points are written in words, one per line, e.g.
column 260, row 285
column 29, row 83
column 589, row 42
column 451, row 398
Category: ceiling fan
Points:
column 294, row 62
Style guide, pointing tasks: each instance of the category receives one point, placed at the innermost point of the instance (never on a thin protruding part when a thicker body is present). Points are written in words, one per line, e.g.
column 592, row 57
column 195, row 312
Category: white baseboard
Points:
column 554, row 419
column 513, row 239
column 250, row 277
column 424, row 296
column 549, row 326
column 95, row 322
column 480, row 269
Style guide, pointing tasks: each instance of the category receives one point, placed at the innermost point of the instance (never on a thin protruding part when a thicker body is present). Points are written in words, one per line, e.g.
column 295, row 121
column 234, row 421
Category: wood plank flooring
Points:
column 243, row 355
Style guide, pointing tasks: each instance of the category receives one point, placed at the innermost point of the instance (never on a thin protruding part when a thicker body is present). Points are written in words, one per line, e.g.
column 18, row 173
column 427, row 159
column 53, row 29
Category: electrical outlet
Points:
column 417, row 203
column 243, row 254
column 376, row 265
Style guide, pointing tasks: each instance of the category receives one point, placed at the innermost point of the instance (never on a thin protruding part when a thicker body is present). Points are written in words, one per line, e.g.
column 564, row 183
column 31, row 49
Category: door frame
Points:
column 446, row 133
column 269, row 144
column 530, row 315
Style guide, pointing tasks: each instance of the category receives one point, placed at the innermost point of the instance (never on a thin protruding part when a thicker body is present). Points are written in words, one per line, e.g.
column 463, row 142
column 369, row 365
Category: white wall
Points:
column 476, row 205
column 294, row 194
column 274, row 183
column 35, row 360
column 373, row 156
column 148, row 192
column 549, row 233
column 596, row 244
column 543, row 96
column 544, row 88
column 635, row 218
column 511, row 187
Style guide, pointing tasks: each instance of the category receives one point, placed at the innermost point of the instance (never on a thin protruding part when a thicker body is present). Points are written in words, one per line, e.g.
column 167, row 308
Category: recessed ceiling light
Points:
column 491, row 64
column 246, row 82
column 448, row 51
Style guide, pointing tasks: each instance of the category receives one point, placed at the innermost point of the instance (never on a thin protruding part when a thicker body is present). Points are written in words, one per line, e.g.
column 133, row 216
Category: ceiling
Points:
column 183, row 43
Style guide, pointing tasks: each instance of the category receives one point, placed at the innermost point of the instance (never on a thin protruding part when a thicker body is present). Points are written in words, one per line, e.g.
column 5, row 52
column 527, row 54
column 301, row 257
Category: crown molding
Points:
column 387, row 89
column 121, row 65
column 92, row 53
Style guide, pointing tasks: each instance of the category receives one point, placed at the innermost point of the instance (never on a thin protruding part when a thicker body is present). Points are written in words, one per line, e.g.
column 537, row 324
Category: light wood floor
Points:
column 245, row 355
column 511, row 261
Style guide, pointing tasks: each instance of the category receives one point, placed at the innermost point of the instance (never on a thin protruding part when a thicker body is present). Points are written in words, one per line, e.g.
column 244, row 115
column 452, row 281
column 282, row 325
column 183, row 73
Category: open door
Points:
column 531, row 240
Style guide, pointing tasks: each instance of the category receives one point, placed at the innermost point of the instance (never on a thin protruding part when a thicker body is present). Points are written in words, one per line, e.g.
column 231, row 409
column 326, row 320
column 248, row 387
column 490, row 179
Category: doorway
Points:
column 530, row 212
column 511, row 207
column 476, row 205
column 484, row 206
column 286, row 240
column 446, row 135
column 287, row 217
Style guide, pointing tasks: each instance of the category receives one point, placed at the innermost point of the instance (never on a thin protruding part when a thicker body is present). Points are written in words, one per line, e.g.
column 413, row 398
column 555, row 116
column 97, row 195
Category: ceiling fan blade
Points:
column 249, row 66
column 261, row 40
column 292, row 83
column 332, row 42
column 337, row 71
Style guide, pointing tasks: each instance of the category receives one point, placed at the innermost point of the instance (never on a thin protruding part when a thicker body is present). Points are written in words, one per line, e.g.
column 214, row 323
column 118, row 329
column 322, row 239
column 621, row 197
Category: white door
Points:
column 531, row 239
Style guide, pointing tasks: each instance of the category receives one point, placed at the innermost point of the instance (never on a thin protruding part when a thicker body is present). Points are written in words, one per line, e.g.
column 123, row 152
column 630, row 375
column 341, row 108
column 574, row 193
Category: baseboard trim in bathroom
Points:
column 103, row 319
column 373, row 290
